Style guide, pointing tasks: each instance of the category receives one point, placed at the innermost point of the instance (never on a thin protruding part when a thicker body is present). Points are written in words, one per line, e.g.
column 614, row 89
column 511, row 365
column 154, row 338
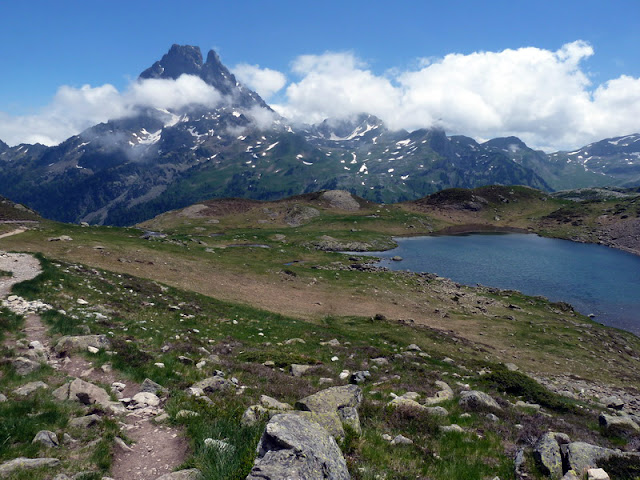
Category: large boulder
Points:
column 22, row 463
column 88, row 394
column 445, row 393
column 618, row 425
column 29, row 388
column 292, row 447
column 46, row 438
column 547, row 453
column 332, row 399
column 581, row 456
column 81, row 342
column 24, row 366
column 474, row 400
column 335, row 403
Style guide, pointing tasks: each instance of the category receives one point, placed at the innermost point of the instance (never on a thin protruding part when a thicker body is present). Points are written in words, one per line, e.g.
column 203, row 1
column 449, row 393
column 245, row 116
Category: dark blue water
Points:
column 593, row 278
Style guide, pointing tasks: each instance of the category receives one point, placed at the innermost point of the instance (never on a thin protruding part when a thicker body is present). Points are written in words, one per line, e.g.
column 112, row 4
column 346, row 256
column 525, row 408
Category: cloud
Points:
column 75, row 109
column 545, row 97
column 265, row 81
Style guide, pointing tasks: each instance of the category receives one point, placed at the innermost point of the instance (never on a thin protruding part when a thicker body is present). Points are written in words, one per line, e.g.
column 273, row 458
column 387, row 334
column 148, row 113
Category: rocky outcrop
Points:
column 81, row 342
column 22, row 463
column 335, row 403
column 581, row 456
column 46, row 438
column 618, row 425
column 293, row 447
column 445, row 393
column 547, row 453
column 24, row 366
column 87, row 394
column 475, row 400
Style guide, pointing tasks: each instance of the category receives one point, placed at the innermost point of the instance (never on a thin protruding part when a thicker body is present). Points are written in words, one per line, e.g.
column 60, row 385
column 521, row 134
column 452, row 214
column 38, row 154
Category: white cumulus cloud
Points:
column 264, row 81
column 75, row 109
column 545, row 97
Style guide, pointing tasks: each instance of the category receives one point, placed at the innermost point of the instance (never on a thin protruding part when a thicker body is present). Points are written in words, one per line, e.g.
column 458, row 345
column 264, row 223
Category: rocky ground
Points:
column 400, row 403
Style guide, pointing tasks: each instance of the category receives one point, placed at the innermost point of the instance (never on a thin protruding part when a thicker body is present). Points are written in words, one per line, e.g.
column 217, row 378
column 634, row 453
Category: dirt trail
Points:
column 158, row 449
column 22, row 267
column 13, row 232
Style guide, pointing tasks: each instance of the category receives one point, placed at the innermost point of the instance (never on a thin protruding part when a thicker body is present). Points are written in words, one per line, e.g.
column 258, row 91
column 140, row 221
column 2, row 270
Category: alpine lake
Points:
column 598, row 281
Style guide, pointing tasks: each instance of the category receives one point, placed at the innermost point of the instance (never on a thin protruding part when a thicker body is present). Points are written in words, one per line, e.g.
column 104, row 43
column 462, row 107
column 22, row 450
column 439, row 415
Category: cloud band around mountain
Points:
column 544, row 97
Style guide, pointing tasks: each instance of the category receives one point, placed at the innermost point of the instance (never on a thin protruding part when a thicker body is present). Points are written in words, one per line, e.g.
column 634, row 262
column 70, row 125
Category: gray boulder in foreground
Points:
column 27, row 464
column 292, row 447
column 547, row 453
column 582, row 456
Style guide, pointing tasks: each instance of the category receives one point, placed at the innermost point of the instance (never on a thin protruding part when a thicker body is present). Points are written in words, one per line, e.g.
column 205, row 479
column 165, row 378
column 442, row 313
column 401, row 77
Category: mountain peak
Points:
column 187, row 59
column 179, row 60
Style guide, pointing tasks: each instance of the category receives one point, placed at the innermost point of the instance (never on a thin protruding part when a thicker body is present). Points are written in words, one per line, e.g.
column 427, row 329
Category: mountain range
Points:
column 128, row 170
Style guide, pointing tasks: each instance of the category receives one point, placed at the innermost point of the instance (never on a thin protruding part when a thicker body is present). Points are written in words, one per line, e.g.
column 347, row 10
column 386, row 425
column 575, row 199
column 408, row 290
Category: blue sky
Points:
column 47, row 45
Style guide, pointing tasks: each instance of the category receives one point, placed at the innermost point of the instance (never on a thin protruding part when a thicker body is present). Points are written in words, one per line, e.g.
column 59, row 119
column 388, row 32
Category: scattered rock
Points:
column 84, row 422
column 521, row 404
column 24, row 366
column 597, row 474
column 397, row 258
column 81, row 343
column 445, row 393
column 2, row 398
column 146, row 399
column 22, row 463
column 292, row 341
column 214, row 384
column 190, row 474
column 293, row 447
column 299, row 370
column 29, row 388
column 618, row 425
column 401, row 440
column 359, row 377
column 475, row 400
column 46, row 438
column 271, row 403
column 451, row 428
column 582, row 456
column 149, row 386
column 122, row 445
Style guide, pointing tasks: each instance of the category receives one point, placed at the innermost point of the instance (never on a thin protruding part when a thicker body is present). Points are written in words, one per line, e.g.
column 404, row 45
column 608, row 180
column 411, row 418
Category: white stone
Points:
column 146, row 398
column 91, row 349
column 597, row 474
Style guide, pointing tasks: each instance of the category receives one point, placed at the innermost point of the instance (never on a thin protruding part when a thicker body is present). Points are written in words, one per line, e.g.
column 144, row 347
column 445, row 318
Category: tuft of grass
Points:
column 9, row 322
column 519, row 384
column 62, row 324
column 219, row 421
